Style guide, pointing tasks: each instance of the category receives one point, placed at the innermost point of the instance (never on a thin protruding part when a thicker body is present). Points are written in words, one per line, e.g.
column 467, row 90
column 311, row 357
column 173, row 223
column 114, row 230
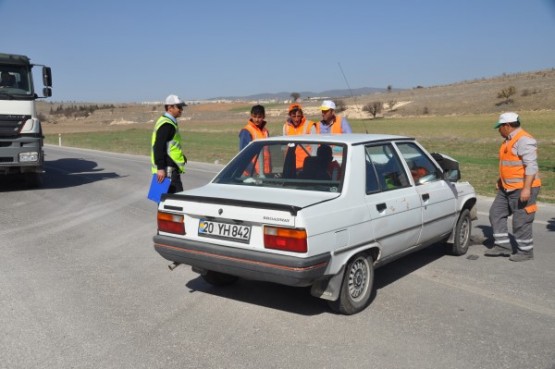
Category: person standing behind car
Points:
column 517, row 189
column 297, row 124
column 330, row 122
column 255, row 129
column 167, row 157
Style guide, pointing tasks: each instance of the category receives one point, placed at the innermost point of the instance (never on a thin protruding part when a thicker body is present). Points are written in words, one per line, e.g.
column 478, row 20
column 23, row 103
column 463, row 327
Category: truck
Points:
column 21, row 136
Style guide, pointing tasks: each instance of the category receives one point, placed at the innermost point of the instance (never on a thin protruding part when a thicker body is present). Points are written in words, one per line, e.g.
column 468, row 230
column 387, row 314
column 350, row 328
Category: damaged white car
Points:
column 318, row 210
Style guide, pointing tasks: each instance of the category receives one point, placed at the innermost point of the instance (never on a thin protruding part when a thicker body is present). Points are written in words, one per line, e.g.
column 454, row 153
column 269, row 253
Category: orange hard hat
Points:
column 294, row 106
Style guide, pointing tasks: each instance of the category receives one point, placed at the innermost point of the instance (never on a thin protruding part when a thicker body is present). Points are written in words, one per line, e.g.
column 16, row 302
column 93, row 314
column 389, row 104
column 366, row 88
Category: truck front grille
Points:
column 11, row 125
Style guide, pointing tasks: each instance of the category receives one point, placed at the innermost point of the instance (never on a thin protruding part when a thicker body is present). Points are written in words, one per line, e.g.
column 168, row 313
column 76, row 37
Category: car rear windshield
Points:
column 289, row 165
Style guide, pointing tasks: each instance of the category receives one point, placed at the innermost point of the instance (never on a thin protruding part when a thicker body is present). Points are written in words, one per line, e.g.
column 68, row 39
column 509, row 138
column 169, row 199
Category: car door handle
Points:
column 425, row 196
column 381, row 207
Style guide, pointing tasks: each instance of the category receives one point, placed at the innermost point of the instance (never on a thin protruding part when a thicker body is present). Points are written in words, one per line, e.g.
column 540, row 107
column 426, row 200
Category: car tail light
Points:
column 171, row 223
column 285, row 239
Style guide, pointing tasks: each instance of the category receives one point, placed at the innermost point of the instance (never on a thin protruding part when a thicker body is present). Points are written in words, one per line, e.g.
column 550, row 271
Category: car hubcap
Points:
column 465, row 231
column 358, row 278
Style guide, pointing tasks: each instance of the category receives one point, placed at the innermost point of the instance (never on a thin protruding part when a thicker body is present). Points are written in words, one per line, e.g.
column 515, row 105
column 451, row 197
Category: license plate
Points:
column 237, row 232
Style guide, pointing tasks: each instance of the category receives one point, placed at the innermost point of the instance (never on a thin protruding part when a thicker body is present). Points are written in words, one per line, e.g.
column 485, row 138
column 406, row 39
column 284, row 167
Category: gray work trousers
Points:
column 505, row 205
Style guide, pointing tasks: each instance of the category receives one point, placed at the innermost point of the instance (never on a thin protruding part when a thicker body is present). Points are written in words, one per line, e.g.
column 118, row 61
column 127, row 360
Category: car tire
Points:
column 356, row 287
column 219, row 279
column 461, row 239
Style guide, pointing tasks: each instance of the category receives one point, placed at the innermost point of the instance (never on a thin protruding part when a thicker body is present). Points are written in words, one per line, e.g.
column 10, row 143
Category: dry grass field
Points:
column 456, row 119
column 535, row 91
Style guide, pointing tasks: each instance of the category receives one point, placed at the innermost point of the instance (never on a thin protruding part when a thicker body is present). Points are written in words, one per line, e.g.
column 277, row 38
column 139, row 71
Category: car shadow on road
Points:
column 402, row 267
column 61, row 173
column 297, row 300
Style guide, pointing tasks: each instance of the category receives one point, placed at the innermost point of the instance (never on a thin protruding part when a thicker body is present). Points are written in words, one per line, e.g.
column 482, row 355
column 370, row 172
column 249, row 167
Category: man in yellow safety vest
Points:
column 166, row 156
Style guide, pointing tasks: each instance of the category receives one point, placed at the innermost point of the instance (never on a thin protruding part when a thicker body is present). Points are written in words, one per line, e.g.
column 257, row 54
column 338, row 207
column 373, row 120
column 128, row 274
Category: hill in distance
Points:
column 533, row 90
column 305, row 94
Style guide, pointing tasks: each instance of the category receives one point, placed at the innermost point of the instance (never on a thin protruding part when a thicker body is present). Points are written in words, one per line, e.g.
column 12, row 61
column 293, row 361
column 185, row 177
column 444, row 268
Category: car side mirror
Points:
column 452, row 175
column 450, row 167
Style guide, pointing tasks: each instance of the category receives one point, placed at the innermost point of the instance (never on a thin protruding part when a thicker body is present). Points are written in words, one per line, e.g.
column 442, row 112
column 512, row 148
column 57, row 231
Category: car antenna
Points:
column 351, row 92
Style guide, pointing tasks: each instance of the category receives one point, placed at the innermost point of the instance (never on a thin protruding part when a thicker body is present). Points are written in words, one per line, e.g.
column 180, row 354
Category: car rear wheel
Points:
column 461, row 239
column 356, row 287
column 218, row 279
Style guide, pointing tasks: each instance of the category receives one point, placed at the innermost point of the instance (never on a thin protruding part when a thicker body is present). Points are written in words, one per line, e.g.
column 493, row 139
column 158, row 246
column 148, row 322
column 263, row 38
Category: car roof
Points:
column 348, row 138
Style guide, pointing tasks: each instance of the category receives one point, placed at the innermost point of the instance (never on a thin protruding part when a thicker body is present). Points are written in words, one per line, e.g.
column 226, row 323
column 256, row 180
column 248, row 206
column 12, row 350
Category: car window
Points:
column 289, row 165
column 421, row 167
column 371, row 176
column 383, row 169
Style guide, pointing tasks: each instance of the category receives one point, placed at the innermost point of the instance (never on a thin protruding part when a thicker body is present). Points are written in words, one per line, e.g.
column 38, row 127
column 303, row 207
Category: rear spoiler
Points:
column 293, row 210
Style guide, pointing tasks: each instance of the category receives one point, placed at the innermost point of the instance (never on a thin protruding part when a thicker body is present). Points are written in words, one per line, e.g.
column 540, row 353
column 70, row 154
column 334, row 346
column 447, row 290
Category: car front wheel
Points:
column 356, row 287
column 461, row 239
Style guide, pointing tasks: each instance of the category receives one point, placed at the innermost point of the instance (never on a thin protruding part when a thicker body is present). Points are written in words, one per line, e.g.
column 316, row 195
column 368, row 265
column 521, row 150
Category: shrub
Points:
column 340, row 106
column 373, row 108
column 506, row 94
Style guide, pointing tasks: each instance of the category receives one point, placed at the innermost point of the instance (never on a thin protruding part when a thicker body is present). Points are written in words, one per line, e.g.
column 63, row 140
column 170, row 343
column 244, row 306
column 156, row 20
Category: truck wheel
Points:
column 356, row 287
column 218, row 279
column 461, row 240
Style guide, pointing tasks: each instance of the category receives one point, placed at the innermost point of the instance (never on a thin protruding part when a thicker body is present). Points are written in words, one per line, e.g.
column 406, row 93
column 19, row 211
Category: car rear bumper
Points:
column 250, row 264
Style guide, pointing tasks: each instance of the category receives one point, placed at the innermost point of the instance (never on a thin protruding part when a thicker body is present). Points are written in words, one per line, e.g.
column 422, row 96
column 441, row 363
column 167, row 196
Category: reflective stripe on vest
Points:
column 173, row 147
column 511, row 168
column 257, row 134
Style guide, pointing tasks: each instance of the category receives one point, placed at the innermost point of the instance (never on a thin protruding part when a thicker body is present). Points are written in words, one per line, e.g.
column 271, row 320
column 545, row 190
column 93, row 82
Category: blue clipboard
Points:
column 157, row 189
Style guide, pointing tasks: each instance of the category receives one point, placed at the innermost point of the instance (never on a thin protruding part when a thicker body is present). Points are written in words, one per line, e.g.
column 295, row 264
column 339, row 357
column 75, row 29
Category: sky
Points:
column 136, row 50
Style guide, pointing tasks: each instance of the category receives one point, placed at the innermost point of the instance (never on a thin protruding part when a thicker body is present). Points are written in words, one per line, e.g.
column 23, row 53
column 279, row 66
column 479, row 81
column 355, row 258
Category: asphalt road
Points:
column 82, row 287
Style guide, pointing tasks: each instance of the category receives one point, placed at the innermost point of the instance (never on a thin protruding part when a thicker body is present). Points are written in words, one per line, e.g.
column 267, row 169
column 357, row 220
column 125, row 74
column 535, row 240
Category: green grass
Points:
column 470, row 139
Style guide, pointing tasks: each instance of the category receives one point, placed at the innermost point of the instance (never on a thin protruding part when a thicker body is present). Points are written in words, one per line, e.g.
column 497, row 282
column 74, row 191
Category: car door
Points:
column 439, row 206
column 393, row 203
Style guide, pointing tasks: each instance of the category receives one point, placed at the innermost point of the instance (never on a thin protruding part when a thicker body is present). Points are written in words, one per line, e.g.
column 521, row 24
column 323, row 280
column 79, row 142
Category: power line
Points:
column 351, row 92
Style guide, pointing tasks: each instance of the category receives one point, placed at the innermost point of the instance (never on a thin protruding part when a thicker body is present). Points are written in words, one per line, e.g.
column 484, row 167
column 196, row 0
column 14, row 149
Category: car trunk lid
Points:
column 223, row 213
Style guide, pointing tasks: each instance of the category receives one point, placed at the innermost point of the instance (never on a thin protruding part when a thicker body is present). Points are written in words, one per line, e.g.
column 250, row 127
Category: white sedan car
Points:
column 318, row 210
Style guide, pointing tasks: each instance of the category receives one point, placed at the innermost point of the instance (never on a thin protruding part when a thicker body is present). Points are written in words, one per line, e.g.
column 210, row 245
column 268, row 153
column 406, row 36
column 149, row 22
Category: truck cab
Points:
column 21, row 137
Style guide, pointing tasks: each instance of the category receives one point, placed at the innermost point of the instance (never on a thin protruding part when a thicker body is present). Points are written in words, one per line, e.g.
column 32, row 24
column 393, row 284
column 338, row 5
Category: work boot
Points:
column 522, row 255
column 497, row 251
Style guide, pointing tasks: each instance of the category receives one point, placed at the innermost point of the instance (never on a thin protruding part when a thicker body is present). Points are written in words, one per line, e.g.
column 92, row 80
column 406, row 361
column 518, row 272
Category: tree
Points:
column 506, row 94
column 373, row 108
column 389, row 88
column 295, row 96
column 340, row 106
